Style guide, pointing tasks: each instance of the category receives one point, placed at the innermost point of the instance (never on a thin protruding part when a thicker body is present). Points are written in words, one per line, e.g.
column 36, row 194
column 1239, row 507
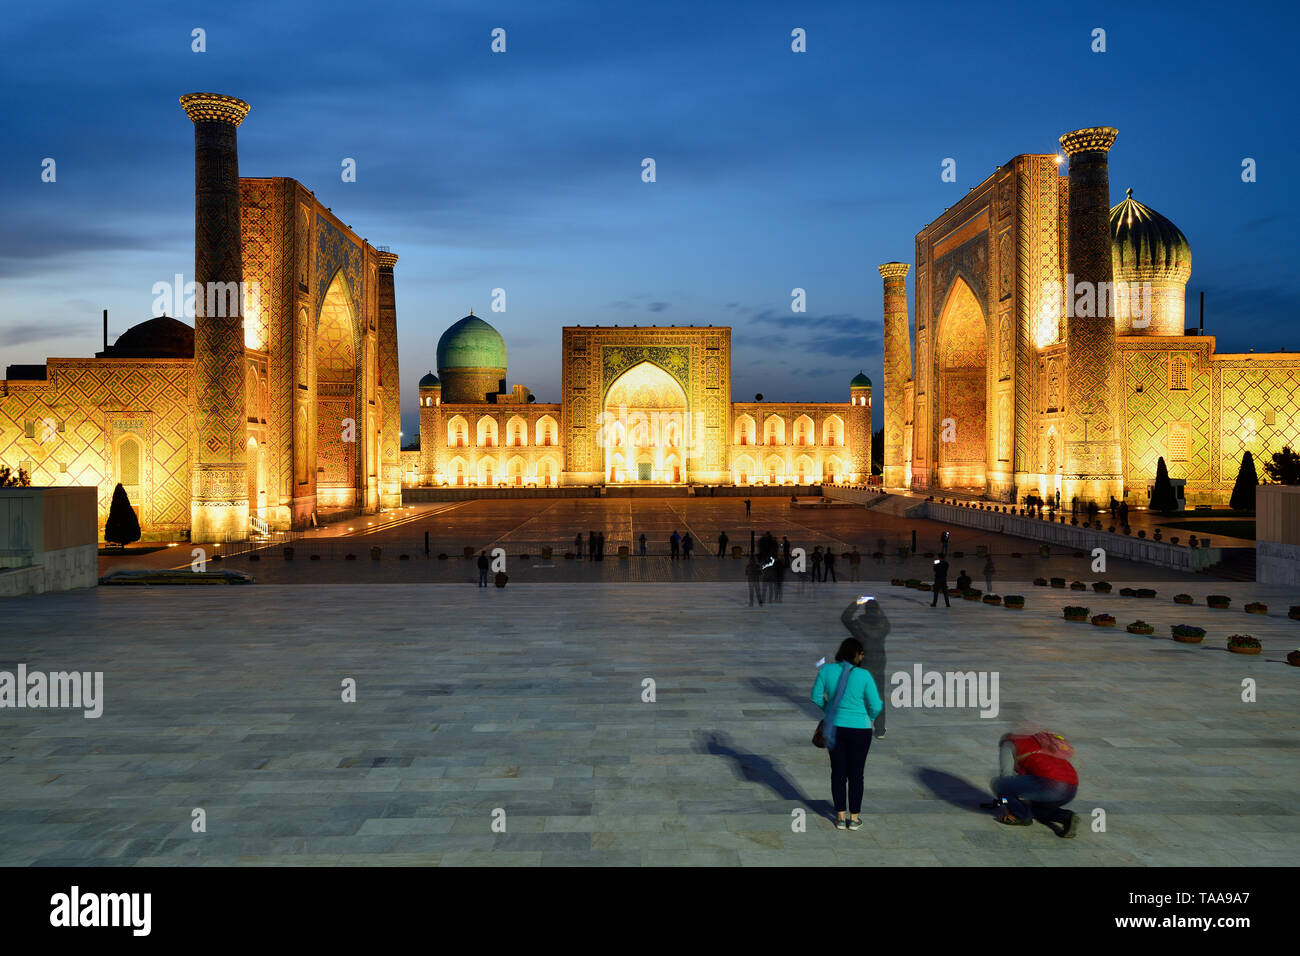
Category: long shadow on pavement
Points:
column 758, row 769
column 960, row 793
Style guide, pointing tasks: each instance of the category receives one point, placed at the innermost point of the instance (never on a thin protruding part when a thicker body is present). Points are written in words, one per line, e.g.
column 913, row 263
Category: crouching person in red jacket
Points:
column 1037, row 781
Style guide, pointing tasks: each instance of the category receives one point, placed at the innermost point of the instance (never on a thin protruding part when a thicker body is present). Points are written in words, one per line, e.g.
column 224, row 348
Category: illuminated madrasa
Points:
column 279, row 406
column 1032, row 376
column 640, row 406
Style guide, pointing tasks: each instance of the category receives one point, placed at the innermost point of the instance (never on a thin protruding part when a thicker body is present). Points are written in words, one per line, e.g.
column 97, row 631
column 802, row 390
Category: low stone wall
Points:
column 1277, row 530
column 49, row 539
column 1071, row 537
column 857, row 494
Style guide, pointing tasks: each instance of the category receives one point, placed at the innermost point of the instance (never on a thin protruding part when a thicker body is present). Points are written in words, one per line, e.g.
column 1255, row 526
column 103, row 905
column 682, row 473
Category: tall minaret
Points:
column 898, row 371
column 219, row 479
column 1092, row 450
column 390, row 425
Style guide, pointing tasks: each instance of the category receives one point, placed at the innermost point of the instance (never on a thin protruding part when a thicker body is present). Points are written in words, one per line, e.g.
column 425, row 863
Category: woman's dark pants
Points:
column 848, row 763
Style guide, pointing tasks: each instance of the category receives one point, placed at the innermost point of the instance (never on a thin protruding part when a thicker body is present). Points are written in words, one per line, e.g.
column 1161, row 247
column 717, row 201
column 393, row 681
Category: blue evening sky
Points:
column 522, row 170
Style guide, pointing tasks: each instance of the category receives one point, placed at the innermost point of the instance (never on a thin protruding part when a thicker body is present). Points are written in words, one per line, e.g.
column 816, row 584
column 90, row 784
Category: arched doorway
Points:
column 645, row 418
column 961, row 400
column 337, row 430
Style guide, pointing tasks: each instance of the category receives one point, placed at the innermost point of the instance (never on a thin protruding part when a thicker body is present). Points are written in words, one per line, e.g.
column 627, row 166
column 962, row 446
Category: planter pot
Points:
column 1078, row 586
column 1181, row 599
column 972, row 597
column 1187, row 639
column 1040, row 582
column 1293, row 658
column 992, row 599
column 1294, row 613
column 953, row 592
column 1256, row 608
column 1101, row 588
column 1077, row 618
column 1133, row 629
column 1103, row 623
column 1218, row 606
column 1245, row 650
column 1014, row 607
column 1058, row 584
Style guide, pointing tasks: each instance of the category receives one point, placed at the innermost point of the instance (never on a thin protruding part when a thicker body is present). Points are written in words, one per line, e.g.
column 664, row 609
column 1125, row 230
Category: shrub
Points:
column 1140, row 627
column 1146, row 593
column 1127, row 592
column 1187, row 633
column 1254, row 607
column 1074, row 613
column 992, row 599
column 1103, row 620
column 1058, row 582
column 972, row 595
column 1218, row 600
column 1078, row 586
column 1014, row 600
column 1182, row 599
column 912, row 582
column 1243, row 640
column 122, row 527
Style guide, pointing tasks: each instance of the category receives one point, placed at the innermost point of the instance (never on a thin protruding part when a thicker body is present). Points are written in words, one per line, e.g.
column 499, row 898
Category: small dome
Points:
column 471, row 343
column 160, row 337
column 860, row 381
column 429, row 381
column 1146, row 245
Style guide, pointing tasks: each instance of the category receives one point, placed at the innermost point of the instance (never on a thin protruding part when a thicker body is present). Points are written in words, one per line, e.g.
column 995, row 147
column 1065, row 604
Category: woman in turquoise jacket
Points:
column 852, row 716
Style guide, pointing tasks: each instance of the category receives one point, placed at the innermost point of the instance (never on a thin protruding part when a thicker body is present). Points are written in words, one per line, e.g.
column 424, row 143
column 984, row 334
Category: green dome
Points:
column 1146, row 245
column 860, row 381
column 429, row 380
column 471, row 343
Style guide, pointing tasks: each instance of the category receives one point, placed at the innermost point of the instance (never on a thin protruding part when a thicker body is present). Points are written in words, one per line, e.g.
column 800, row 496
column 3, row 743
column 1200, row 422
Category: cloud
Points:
column 25, row 333
column 657, row 306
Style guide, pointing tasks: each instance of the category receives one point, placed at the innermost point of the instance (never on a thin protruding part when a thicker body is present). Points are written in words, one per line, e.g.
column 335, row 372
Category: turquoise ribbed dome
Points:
column 471, row 343
column 429, row 381
column 1146, row 245
column 860, row 381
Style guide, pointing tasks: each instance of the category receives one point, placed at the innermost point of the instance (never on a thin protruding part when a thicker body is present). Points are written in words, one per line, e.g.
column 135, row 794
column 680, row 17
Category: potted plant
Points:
column 1254, row 607
column 1140, row 627
column 1147, row 593
column 1127, row 592
column 1155, row 535
column 992, row 599
column 1058, row 582
column 1187, row 634
column 1101, row 587
column 1244, row 644
column 972, row 595
column 501, row 579
column 1040, row 582
column 1103, row 620
column 1294, row 613
column 1218, row 601
column 1078, row 586
column 1293, row 658
column 1183, row 599
column 1014, row 601
column 1075, row 613
column 911, row 582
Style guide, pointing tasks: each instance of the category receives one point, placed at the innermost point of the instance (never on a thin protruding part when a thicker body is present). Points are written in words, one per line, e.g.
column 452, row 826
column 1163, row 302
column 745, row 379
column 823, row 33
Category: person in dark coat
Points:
column 577, row 543
column 591, row 546
column 817, row 563
column 688, row 545
column 940, row 583
column 600, row 546
column 828, row 567
column 722, row 544
column 483, row 565
column 747, row 504
column 675, row 544
column 642, row 540
column 963, row 581
column 785, row 551
column 868, row 623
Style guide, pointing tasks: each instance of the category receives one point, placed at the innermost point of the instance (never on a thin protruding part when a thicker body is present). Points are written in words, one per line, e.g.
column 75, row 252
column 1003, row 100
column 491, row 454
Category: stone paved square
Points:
column 528, row 700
